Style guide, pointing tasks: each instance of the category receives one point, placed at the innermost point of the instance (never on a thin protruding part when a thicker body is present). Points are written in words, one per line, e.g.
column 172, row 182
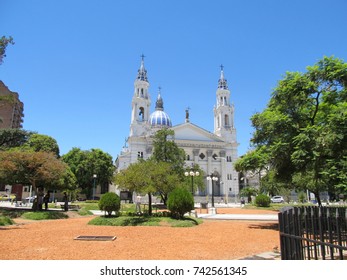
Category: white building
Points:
column 214, row 152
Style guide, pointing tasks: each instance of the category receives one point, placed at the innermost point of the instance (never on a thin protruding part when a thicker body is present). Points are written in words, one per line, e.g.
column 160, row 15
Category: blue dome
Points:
column 160, row 118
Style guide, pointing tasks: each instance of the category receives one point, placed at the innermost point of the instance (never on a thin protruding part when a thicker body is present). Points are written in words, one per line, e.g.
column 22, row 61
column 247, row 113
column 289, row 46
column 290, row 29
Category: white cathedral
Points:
column 214, row 152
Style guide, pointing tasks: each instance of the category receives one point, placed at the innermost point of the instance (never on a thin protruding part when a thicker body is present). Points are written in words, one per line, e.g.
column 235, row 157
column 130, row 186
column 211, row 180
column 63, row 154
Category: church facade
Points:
column 214, row 152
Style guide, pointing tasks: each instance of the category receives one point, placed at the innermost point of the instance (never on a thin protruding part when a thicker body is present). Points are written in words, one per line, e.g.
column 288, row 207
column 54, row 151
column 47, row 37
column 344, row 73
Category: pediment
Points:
column 191, row 132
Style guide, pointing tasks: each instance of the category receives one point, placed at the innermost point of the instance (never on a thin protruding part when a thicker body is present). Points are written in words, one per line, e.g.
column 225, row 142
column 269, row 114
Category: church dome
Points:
column 159, row 118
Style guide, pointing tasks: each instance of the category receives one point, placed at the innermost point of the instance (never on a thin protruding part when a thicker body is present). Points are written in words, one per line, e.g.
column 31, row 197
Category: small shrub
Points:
column 12, row 213
column 262, row 200
column 109, row 202
column 180, row 201
column 5, row 221
column 301, row 197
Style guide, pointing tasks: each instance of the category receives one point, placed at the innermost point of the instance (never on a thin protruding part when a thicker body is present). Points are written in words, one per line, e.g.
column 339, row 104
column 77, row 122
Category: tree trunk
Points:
column 149, row 204
column 35, row 206
column 318, row 199
column 163, row 198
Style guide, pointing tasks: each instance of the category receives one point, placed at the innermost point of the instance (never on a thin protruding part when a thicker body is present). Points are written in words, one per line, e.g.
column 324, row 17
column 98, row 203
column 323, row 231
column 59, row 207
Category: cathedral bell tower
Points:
column 140, row 103
column 224, row 111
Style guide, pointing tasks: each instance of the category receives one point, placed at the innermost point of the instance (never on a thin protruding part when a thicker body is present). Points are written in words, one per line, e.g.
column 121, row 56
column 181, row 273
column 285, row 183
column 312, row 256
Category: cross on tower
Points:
column 221, row 67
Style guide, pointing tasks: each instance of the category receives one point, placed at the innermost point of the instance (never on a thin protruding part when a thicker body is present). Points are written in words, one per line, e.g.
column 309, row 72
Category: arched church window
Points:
column 188, row 157
column 226, row 120
column 141, row 113
column 142, row 92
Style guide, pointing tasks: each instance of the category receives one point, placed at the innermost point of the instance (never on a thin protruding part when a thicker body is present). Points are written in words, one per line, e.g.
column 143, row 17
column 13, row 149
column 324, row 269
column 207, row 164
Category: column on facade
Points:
column 209, row 170
column 196, row 156
column 223, row 178
column 133, row 117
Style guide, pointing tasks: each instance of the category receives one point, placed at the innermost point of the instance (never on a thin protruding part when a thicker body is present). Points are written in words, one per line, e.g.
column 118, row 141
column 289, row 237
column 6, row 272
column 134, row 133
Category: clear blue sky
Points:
column 74, row 62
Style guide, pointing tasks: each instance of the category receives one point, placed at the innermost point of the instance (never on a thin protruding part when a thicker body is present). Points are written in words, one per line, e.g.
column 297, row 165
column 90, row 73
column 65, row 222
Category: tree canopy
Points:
column 161, row 173
column 13, row 137
column 302, row 132
column 4, row 41
column 165, row 149
column 39, row 142
column 34, row 168
column 85, row 164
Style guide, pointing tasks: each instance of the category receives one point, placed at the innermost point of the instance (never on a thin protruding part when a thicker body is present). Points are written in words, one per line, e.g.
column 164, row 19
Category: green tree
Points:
column 4, row 41
column 303, row 130
column 161, row 173
column 165, row 149
column 171, row 159
column 255, row 161
column 138, row 177
column 84, row 164
column 248, row 192
column 35, row 168
column 40, row 142
column 11, row 138
column 164, row 180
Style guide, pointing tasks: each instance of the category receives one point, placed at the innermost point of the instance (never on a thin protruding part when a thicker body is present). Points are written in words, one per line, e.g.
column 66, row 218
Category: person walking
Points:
column 66, row 202
column 46, row 199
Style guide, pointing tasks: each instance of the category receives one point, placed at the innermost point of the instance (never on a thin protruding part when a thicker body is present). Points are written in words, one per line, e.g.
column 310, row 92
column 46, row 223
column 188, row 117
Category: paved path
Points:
column 258, row 217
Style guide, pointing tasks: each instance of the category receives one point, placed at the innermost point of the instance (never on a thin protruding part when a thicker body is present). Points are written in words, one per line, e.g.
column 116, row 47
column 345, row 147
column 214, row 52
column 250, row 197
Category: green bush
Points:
column 262, row 200
column 109, row 202
column 5, row 221
column 180, row 201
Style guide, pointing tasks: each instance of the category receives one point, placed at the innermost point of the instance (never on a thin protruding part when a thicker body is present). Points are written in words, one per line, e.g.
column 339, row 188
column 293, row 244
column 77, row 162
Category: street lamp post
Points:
column 213, row 179
column 94, row 178
column 192, row 173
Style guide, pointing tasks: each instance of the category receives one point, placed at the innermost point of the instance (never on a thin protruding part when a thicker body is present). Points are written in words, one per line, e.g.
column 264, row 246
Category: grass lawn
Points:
column 44, row 215
column 144, row 221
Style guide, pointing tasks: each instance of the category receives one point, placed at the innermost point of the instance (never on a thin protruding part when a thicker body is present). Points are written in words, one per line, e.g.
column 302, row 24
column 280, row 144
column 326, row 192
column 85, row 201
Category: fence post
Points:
column 313, row 233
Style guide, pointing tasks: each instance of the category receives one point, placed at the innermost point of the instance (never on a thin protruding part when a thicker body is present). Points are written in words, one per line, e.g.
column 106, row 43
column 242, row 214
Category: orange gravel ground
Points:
column 219, row 240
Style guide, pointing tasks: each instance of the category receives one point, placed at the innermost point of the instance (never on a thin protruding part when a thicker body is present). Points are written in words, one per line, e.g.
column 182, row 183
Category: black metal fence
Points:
column 313, row 233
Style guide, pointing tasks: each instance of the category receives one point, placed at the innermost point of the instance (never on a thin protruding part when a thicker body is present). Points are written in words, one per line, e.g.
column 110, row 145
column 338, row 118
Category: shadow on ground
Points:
column 272, row 226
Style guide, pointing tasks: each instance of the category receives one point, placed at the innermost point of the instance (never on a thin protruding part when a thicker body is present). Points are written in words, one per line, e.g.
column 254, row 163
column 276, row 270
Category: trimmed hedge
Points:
column 262, row 200
column 180, row 201
column 110, row 202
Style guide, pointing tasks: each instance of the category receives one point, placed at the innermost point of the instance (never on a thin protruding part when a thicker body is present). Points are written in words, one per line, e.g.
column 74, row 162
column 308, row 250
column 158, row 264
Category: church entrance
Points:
column 216, row 188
